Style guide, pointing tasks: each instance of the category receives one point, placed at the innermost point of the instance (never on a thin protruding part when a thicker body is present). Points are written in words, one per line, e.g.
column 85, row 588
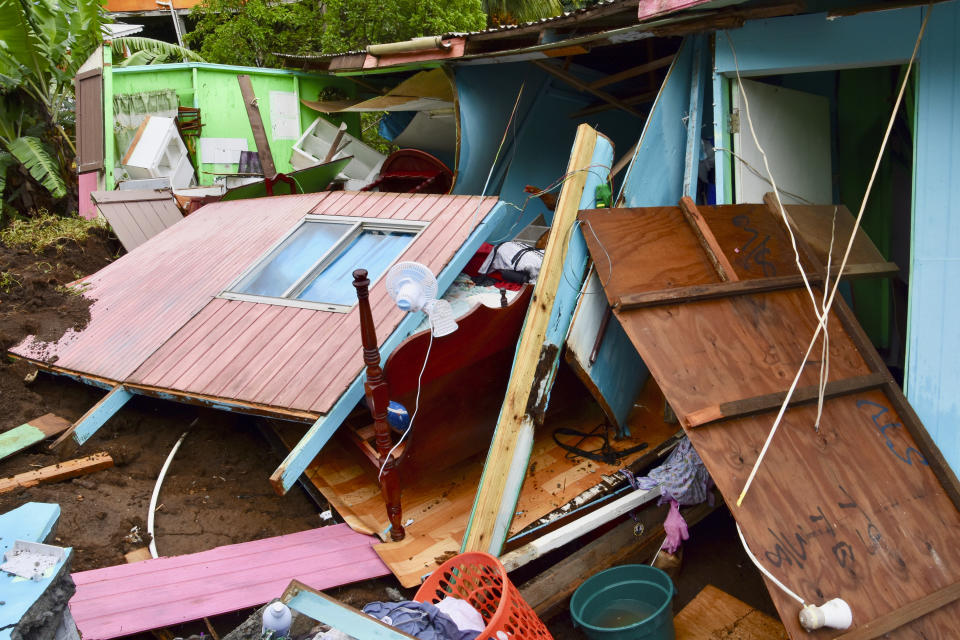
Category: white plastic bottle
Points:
column 276, row 618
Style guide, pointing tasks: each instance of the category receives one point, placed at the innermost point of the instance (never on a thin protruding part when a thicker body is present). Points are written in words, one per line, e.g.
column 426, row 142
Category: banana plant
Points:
column 141, row 51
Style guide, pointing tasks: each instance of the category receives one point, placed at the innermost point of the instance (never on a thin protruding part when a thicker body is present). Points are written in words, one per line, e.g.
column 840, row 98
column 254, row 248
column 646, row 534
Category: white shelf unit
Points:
column 313, row 145
column 158, row 152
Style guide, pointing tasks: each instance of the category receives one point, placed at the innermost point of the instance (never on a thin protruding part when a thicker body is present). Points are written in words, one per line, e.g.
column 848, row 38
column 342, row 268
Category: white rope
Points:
column 846, row 255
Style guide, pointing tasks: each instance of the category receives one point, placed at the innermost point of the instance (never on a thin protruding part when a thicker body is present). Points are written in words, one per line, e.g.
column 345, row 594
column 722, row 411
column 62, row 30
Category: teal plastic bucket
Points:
column 629, row 602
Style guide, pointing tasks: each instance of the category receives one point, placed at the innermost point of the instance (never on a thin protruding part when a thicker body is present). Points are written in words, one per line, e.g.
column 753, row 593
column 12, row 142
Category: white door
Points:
column 794, row 130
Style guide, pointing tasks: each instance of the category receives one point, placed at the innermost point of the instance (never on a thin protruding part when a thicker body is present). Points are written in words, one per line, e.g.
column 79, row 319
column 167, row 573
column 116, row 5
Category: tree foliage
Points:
column 503, row 12
column 250, row 32
column 353, row 24
column 144, row 51
column 42, row 44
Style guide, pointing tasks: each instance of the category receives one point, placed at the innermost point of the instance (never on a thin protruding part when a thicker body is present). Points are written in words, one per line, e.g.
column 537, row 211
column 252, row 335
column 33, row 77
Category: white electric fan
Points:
column 414, row 288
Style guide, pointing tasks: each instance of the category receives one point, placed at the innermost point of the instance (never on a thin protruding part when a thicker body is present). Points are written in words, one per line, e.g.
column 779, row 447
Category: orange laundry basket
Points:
column 481, row 580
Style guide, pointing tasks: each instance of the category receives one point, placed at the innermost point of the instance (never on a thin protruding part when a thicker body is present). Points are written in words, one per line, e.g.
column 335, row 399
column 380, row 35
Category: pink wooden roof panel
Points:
column 303, row 359
column 156, row 320
column 130, row 598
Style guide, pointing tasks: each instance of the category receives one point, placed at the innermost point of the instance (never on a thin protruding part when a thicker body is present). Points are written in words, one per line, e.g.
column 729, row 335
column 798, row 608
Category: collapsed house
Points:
column 689, row 270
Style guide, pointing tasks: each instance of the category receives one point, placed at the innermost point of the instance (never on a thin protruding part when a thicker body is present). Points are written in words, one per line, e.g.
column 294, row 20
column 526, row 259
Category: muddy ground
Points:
column 213, row 494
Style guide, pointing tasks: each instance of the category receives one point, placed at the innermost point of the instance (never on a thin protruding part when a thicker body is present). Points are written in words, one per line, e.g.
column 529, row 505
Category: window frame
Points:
column 354, row 226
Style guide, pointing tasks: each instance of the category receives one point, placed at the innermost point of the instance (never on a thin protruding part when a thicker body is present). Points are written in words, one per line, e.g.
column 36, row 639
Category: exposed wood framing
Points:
column 56, row 472
column 599, row 107
column 633, row 72
column 707, row 240
column 577, row 83
column 509, row 453
column 95, row 417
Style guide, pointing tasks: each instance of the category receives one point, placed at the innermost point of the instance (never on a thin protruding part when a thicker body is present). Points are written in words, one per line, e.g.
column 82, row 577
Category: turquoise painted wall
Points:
column 215, row 90
column 933, row 339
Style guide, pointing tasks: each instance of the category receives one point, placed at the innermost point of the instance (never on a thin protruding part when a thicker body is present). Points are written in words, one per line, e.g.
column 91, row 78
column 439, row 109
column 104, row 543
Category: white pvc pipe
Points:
column 156, row 494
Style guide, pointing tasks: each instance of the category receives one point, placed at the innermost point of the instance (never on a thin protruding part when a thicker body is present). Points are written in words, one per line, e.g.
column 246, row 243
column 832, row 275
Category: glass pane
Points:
column 292, row 259
column 371, row 250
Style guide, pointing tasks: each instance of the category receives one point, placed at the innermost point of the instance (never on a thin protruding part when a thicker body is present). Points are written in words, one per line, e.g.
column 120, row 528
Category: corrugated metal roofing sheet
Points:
column 157, row 321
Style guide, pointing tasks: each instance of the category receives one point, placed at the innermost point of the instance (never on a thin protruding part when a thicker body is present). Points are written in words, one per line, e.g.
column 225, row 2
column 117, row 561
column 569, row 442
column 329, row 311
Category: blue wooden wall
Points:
column 933, row 337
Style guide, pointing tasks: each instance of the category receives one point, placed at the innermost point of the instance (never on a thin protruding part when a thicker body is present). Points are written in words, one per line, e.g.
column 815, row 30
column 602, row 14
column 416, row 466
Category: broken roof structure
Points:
column 709, row 296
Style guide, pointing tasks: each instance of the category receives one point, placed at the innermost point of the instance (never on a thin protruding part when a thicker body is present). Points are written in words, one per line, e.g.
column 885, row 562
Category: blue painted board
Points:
column 698, row 81
column 32, row 522
column 95, row 418
column 812, row 42
column 655, row 175
column 933, row 343
column 323, row 429
column 343, row 618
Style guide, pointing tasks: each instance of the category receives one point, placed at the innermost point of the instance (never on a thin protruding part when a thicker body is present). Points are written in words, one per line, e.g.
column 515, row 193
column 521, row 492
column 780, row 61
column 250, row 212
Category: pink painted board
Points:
column 130, row 598
column 87, row 183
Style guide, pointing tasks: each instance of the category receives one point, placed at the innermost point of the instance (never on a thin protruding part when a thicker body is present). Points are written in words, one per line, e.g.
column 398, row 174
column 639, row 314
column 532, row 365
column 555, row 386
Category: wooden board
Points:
column 137, row 215
column 855, row 510
column 57, row 472
column 129, row 598
column 439, row 505
column 715, row 615
column 29, row 434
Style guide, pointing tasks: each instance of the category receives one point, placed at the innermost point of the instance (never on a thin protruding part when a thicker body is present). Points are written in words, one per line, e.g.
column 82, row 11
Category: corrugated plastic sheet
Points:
column 130, row 598
column 156, row 320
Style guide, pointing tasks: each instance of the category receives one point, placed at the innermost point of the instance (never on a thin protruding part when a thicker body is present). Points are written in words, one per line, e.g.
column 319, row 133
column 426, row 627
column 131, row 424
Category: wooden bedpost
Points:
column 378, row 397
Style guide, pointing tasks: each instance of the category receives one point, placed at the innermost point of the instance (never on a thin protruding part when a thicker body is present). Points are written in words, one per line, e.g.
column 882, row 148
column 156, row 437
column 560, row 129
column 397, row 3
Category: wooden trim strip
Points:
column 95, row 417
column 905, row 614
column 698, row 292
column 771, row 401
column 707, row 240
column 256, row 126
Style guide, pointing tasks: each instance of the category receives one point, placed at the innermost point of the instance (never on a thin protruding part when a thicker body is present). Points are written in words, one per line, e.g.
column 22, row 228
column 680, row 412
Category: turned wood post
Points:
column 378, row 397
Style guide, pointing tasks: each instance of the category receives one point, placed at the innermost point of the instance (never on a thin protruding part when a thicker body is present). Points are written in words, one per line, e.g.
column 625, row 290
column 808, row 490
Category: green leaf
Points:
column 158, row 48
column 6, row 161
column 44, row 169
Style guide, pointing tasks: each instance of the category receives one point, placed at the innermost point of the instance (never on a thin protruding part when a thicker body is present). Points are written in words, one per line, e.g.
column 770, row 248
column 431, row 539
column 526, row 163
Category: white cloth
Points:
column 514, row 256
column 462, row 613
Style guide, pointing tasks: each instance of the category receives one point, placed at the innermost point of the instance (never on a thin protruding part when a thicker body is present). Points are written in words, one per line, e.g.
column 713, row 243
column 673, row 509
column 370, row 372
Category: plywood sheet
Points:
column 439, row 504
column 715, row 615
column 853, row 510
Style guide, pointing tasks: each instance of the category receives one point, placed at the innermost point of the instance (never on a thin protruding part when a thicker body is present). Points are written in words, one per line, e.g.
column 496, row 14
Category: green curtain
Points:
column 130, row 109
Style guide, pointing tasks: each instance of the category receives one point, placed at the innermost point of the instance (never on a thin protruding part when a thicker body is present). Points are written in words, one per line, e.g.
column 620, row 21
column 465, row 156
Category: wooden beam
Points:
column 549, row 592
column 771, row 401
column 30, row 433
column 699, row 292
column 907, row 613
column 506, row 463
column 56, row 472
column 707, row 240
column 95, row 417
column 577, row 83
column 633, row 72
column 580, row 527
column 600, row 107
column 256, row 125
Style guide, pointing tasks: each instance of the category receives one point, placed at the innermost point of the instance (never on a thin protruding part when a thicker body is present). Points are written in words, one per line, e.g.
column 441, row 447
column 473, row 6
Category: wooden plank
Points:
column 577, row 83
column 95, row 417
column 110, row 197
column 340, row 616
column 771, row 401
column 509, row 452
column 30, row 433
column 707, row 240
column 713, row 613
column 549, row 592
column 632, row 72
column 129, row 598
column 896, row 619
column 700, row 292
column 256, row 125
column 57, row 472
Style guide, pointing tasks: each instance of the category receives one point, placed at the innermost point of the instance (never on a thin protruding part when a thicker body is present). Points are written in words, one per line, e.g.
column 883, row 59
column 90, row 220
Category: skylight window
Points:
column 312, row 267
